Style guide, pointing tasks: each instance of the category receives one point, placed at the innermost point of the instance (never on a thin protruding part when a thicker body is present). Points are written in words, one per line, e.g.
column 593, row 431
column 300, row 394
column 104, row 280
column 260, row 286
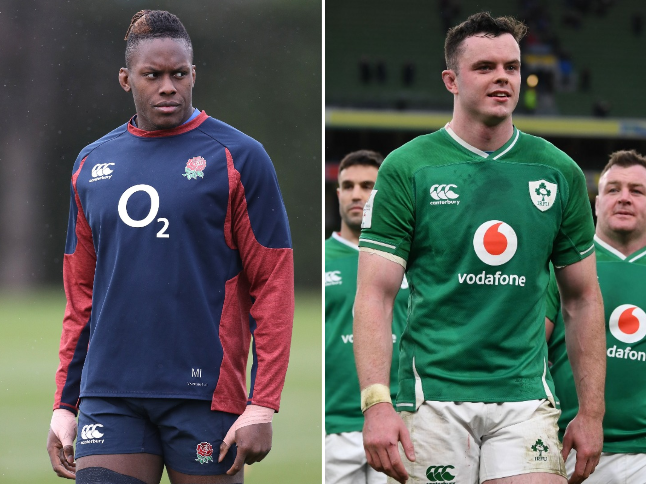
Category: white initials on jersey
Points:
column 154, row 208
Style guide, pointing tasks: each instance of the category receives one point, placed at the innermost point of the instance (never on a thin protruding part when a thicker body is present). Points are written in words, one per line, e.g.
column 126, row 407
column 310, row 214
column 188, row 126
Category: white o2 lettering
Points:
column 154, row 208
column 162, row 232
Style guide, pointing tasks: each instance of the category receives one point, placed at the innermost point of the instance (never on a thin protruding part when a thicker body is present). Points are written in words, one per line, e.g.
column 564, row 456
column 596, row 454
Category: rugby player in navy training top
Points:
column 178, row 251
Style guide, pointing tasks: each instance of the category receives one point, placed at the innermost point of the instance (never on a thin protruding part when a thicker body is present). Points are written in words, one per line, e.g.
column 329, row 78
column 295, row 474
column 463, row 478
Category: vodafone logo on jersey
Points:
column 628, row 323
column 495, row 242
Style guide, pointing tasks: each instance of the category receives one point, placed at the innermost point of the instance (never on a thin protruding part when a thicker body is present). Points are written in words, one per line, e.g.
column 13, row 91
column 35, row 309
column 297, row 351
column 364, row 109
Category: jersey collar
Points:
column 162, row 133
column 638, row 254
column 336, row 236
column 495, row 155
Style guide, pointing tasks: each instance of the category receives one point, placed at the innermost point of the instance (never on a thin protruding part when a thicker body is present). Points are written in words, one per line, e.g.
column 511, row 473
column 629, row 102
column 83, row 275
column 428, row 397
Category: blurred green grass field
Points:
column 30, row 328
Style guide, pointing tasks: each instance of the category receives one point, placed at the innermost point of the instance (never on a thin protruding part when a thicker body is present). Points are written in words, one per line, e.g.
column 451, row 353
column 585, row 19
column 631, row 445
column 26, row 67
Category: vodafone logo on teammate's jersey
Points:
column 628, row 323
column 495, row 242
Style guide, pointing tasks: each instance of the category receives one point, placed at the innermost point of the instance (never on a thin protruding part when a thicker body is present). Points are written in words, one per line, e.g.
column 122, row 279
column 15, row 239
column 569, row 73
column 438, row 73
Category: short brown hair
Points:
column 361, row 157
column 625, row 159
column 479, row 23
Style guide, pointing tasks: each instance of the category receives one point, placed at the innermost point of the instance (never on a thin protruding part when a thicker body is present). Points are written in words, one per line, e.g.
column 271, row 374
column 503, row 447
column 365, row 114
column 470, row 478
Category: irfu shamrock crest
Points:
column 542, row 194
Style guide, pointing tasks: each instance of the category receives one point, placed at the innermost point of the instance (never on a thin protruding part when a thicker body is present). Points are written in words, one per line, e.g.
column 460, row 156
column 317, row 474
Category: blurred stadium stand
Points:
column 383, row 86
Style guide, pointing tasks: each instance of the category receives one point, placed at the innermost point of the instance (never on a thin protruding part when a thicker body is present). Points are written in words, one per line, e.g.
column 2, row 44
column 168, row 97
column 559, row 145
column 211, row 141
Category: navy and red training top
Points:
column 178, row 251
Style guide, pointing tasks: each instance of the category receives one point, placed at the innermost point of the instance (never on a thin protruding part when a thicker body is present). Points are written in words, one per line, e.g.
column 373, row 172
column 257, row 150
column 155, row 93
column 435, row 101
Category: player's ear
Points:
column 124, row 79
column 449, row 77
column 193, row 73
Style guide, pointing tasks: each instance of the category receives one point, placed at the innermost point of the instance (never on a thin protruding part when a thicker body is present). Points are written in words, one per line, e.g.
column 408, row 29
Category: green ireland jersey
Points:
column 475, row 232
column 623, row 286
column 342, row 393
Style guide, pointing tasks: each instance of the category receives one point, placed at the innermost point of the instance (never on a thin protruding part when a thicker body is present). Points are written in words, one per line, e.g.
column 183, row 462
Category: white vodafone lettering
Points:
column 154, row 208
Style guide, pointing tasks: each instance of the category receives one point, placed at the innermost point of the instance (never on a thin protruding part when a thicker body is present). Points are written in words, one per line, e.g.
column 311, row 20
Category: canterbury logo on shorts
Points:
column 440, row 474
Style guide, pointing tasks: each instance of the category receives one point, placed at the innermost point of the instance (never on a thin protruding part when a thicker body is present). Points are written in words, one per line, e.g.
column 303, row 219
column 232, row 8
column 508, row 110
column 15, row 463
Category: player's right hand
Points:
column 62, row 432
column 585, row 435
column 383, row 429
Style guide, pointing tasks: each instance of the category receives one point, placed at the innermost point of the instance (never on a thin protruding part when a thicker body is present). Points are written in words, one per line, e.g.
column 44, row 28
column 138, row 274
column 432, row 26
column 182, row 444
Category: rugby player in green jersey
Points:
column 473, row 213
column 620, row 242
column 345, row 459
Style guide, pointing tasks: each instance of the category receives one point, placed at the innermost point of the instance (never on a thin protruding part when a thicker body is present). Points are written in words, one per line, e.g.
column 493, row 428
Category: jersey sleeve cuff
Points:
column 580, row 255
column 385, row 255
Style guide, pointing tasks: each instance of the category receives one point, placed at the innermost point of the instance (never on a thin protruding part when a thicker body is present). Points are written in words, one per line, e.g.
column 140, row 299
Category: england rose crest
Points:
column 204, row 452
column 195, row 168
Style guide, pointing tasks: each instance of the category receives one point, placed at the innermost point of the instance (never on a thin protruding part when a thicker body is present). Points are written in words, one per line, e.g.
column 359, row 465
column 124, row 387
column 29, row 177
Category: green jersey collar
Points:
column 337, row 236
column 610, row 250
column 495, row 155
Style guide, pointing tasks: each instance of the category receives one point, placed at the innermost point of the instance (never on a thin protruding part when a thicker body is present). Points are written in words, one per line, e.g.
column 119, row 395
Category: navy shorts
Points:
column 186, row 433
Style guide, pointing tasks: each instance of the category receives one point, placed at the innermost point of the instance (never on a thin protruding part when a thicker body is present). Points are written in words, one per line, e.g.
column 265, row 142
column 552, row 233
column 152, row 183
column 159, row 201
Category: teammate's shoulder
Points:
column 112, row 135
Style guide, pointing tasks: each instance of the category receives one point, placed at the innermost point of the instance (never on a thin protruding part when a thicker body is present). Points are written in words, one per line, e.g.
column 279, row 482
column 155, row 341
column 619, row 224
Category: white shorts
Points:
column 345, row 461
column 613, row 468
column 472, row 442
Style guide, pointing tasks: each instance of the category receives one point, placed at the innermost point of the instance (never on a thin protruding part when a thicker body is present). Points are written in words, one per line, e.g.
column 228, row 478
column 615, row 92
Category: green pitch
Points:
column 30, row 331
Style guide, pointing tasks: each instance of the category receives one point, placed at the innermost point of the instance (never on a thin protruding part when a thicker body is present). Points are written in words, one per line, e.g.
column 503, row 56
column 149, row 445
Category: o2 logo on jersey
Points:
column 154, row 208
column 495, row 242
column 628, row 323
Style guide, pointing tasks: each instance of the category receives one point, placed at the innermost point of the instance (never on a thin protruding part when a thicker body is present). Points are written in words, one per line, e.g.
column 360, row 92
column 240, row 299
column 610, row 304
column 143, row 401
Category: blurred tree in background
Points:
column 258, row 68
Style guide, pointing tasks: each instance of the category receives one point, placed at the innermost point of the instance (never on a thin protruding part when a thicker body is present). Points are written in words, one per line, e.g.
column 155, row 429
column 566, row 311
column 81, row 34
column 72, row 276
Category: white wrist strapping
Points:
column 63, row 425
column 374, row 394
column 253, row 414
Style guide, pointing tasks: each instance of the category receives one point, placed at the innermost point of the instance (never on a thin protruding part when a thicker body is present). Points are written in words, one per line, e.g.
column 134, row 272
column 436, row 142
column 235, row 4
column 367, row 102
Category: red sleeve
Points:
column 79, row 265
column 265, row 290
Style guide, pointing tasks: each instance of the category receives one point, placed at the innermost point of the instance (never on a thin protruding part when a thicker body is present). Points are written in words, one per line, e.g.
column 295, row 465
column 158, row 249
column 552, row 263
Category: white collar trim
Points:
column 337, row 237
column 609, row 247
column 478, row 151
column 463, row 143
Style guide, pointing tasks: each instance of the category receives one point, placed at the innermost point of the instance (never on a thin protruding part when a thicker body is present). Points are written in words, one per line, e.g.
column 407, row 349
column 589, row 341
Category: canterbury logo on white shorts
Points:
column 91, row 432
column 102, row 169
column 495, row 242
column 628, row 323
column 443, row 192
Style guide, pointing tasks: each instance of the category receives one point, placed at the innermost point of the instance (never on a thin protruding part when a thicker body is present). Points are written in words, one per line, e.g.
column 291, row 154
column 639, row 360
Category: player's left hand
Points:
column 585, row 435
column 254, row 443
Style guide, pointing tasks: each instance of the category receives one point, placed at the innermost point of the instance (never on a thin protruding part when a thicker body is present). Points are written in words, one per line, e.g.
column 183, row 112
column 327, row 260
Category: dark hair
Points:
column 154, row 24
column 625, row 159
column 479, row 23
column 361, row 157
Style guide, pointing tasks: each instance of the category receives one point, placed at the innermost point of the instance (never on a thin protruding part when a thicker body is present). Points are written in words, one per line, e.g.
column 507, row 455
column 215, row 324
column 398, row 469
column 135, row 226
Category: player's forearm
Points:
column 373, row 343
column 377, row 285
column 273, row 311
column 586, row 345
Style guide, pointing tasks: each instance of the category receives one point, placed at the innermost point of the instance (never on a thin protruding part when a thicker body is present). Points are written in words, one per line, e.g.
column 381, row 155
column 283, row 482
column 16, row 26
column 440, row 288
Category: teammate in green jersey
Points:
column 620, row 242
column 345, row 460
column 473, row 213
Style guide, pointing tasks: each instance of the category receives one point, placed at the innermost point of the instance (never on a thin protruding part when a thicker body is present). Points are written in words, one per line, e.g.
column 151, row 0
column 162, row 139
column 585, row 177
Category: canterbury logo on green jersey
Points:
column 628, row 323
column 444, row 195
column 440, row 474
column 542, row 194
column 333, row 278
